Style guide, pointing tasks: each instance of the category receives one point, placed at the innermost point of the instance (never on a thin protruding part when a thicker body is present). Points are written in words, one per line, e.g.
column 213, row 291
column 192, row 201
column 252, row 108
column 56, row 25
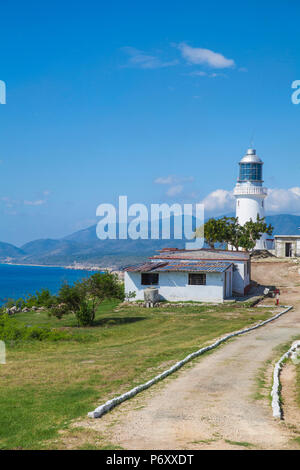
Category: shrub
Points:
column 85, row 314
column 11, row 330
column 84, row 297
column 12, row 303
column 41, row 298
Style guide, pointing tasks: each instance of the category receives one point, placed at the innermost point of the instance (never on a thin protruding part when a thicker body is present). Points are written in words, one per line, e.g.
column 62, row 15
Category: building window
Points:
column 149, row 279
column 250, row 172
column 197, row 279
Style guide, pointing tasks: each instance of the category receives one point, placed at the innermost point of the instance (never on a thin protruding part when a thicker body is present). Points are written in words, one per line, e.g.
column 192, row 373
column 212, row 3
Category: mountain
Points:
column 9, row 251
column 284, row 224
column 84, row 247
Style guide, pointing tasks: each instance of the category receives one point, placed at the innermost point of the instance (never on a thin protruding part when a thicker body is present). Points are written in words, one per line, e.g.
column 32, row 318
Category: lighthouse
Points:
column 249, row 192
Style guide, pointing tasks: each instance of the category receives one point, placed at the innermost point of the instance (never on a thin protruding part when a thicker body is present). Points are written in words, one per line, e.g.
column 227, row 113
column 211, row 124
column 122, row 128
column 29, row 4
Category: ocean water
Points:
column 20, row 281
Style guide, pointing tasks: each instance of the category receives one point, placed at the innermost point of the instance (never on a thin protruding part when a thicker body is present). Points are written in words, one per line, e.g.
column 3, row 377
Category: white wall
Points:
column 280, row 245
column 228, row 284
column 241, row 278
column 173, row 286
column 248, row 207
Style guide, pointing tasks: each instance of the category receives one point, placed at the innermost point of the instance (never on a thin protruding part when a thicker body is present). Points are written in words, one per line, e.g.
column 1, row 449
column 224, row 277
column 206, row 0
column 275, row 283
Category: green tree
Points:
column 253, row 231
column 214, row 231
column 228, row 230
column 84, row 297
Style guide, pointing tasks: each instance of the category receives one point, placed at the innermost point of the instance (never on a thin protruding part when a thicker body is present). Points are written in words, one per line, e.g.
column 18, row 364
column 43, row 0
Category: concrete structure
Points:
column 287, row 246
column 195, row 275
column 250, row 194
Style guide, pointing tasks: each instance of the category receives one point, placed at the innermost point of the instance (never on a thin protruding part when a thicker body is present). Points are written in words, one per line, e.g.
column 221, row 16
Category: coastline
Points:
column 75, row 268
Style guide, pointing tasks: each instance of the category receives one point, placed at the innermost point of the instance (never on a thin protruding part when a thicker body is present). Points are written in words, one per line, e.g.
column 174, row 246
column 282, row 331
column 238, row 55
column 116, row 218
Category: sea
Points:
column 19, row 281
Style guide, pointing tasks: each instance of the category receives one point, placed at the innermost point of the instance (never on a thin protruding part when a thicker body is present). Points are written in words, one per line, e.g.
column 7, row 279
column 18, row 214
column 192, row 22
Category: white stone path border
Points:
column 275, row 393
column 102, row 409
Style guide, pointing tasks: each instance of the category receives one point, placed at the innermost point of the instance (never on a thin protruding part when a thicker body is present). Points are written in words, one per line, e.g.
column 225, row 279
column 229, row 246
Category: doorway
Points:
column 288, row 250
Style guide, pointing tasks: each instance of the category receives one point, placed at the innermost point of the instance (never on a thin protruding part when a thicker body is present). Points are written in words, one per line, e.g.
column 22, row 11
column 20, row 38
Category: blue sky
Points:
column 154, row 100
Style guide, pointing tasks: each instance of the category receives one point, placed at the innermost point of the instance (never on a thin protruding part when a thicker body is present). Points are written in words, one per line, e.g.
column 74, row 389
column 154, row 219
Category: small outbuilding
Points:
column 287, row 246
column 191, row 275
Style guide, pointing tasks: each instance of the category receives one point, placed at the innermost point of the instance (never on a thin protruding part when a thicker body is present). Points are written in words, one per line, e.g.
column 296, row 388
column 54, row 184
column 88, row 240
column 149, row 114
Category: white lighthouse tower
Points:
column 249, row 192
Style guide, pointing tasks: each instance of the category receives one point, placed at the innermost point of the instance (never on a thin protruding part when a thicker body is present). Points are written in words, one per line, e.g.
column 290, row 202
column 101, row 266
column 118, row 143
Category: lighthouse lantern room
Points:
column 250, row 193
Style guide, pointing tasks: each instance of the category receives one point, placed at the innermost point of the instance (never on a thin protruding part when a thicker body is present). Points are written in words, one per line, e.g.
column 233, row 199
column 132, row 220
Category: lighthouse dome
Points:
column 251, row 157
column 251, row 168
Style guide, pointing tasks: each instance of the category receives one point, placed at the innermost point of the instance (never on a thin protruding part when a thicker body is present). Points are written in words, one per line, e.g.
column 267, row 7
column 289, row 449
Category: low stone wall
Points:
column 102, row 409
column 275, row 393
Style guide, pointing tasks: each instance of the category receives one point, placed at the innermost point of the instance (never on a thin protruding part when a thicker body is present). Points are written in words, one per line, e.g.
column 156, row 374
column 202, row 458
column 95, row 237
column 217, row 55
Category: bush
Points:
column 85, row 314
column 11, row 330
column 41, row 298
column 84, row 297
column 20, row 303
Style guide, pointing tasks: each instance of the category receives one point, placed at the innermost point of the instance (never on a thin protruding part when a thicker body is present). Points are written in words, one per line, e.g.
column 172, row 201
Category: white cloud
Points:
column 164, row 180
column 37, row 202
column 219, row 201
column 175, row 190
column 283, row 200
column 9, row 202
column 173, row 179
column 197, row 55
column 142, row 60
column 278, row 201
column 200, row 73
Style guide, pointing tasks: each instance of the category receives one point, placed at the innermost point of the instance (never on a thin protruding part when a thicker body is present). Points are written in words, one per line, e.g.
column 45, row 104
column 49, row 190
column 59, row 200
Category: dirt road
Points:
column 211, row 405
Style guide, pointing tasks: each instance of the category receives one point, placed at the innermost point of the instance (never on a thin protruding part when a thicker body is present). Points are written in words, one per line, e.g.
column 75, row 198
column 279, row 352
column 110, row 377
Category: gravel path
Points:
column 210, row 405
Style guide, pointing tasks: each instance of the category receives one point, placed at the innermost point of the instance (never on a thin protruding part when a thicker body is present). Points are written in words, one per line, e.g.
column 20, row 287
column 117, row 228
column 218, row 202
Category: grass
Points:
column 45, row 385
column 261, row 382
column 237, row 443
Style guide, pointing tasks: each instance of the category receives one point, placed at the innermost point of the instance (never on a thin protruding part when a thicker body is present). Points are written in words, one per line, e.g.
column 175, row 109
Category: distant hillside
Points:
column 84, row 247
column 284, row 224
column 9, row 251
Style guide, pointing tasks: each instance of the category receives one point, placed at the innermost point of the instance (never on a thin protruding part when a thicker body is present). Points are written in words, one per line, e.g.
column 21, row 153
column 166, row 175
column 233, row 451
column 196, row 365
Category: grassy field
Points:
column 45, row 385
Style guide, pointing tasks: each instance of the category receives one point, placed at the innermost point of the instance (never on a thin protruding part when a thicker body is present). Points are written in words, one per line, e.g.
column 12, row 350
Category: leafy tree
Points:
column 86, row 313
column 84, row 297
column 214, row 231
column 130, row 295
column 41, row 298
column 234, row 232
column 253, row 231
column 228, row 229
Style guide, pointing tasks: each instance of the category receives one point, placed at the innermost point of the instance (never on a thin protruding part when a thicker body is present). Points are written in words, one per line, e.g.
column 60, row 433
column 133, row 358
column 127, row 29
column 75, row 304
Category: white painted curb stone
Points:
column 275, row 393
column 102, row 409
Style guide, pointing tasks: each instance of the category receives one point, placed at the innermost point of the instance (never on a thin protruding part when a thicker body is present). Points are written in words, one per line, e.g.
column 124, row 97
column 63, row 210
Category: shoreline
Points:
column 75, row 268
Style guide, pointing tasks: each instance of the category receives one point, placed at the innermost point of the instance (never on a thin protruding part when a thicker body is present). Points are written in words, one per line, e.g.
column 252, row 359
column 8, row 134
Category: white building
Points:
column 195, row 275
column 287, row 246
column 250, row 193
